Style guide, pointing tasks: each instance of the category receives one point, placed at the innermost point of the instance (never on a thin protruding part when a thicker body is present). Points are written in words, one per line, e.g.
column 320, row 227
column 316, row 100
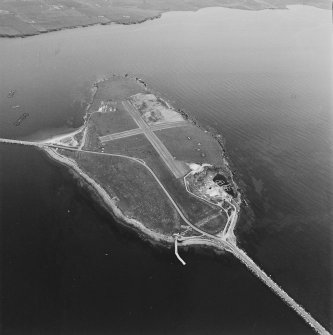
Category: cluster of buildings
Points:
column 221, row 181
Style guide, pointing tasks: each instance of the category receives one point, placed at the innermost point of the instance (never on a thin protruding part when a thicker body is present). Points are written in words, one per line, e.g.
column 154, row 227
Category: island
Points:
column 158, row 172
column 152, row 165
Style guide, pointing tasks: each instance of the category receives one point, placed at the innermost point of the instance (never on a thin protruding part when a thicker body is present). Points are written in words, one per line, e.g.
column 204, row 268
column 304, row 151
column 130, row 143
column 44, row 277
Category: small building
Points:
column 222, row 181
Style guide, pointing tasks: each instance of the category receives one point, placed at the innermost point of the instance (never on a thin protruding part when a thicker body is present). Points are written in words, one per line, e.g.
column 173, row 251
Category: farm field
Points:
column 139, row 147
column 114, row 121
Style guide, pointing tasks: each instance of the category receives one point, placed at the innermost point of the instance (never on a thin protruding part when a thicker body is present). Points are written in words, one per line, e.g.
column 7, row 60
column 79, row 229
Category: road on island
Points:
column 140, row 161
column 175, row 167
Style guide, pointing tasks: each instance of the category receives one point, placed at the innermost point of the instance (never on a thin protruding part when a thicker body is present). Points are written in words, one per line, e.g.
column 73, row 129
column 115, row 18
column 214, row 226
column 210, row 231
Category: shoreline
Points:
column 53, row 30
column 104, row 196
column 154, row 17
column 110, row 206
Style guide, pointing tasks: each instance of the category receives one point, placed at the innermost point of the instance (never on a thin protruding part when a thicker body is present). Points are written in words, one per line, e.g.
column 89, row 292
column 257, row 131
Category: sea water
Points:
column 260, row 78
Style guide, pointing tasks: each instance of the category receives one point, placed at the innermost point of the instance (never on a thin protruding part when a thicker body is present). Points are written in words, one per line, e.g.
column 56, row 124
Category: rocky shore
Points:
column 102, row 196
column 110, row 205
column 106, row 199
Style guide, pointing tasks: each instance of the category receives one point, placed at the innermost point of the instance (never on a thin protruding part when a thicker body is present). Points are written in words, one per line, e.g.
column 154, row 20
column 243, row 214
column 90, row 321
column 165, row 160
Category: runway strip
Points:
column 176, row 168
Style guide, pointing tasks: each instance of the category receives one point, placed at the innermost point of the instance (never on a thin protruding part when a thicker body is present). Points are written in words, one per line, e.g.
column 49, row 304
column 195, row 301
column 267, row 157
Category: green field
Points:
column 113, row 122
column 117, row 88
column 114, row 90
column 214, row 224
column 135, row 146
column 196, row 145
column 140, row 196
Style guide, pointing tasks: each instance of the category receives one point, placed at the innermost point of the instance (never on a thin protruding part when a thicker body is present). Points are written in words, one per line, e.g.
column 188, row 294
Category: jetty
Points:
column 254, row 268
column 176, row 250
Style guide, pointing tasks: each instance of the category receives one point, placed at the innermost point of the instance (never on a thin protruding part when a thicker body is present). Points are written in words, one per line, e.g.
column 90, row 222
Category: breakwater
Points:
column 254, row 268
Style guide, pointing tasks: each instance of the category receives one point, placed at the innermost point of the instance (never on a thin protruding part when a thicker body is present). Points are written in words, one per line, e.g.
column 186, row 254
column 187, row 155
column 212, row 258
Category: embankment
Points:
column 35, row 32
column 254, row 268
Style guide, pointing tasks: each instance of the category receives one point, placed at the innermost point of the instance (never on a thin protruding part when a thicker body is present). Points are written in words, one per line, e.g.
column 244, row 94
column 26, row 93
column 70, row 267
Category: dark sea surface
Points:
column 263, row 79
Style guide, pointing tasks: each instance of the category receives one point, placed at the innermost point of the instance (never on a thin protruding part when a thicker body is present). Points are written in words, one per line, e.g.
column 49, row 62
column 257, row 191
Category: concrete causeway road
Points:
column 253, row 267
column 175, row 167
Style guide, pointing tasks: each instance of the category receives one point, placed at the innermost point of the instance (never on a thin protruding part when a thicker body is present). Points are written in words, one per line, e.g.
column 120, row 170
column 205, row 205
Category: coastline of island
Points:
column 106, row 202
column 109, row 202
column 105, row 199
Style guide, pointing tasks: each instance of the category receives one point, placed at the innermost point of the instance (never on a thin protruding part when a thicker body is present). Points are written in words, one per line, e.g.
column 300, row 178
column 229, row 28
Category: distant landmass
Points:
column 19, row 18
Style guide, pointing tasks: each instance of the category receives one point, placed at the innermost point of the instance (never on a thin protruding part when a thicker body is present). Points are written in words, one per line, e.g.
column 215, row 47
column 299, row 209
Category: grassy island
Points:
column 149, row 158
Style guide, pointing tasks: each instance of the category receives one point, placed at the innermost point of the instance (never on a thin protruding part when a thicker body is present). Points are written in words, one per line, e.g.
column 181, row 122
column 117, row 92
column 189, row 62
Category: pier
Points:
column 176, row 250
